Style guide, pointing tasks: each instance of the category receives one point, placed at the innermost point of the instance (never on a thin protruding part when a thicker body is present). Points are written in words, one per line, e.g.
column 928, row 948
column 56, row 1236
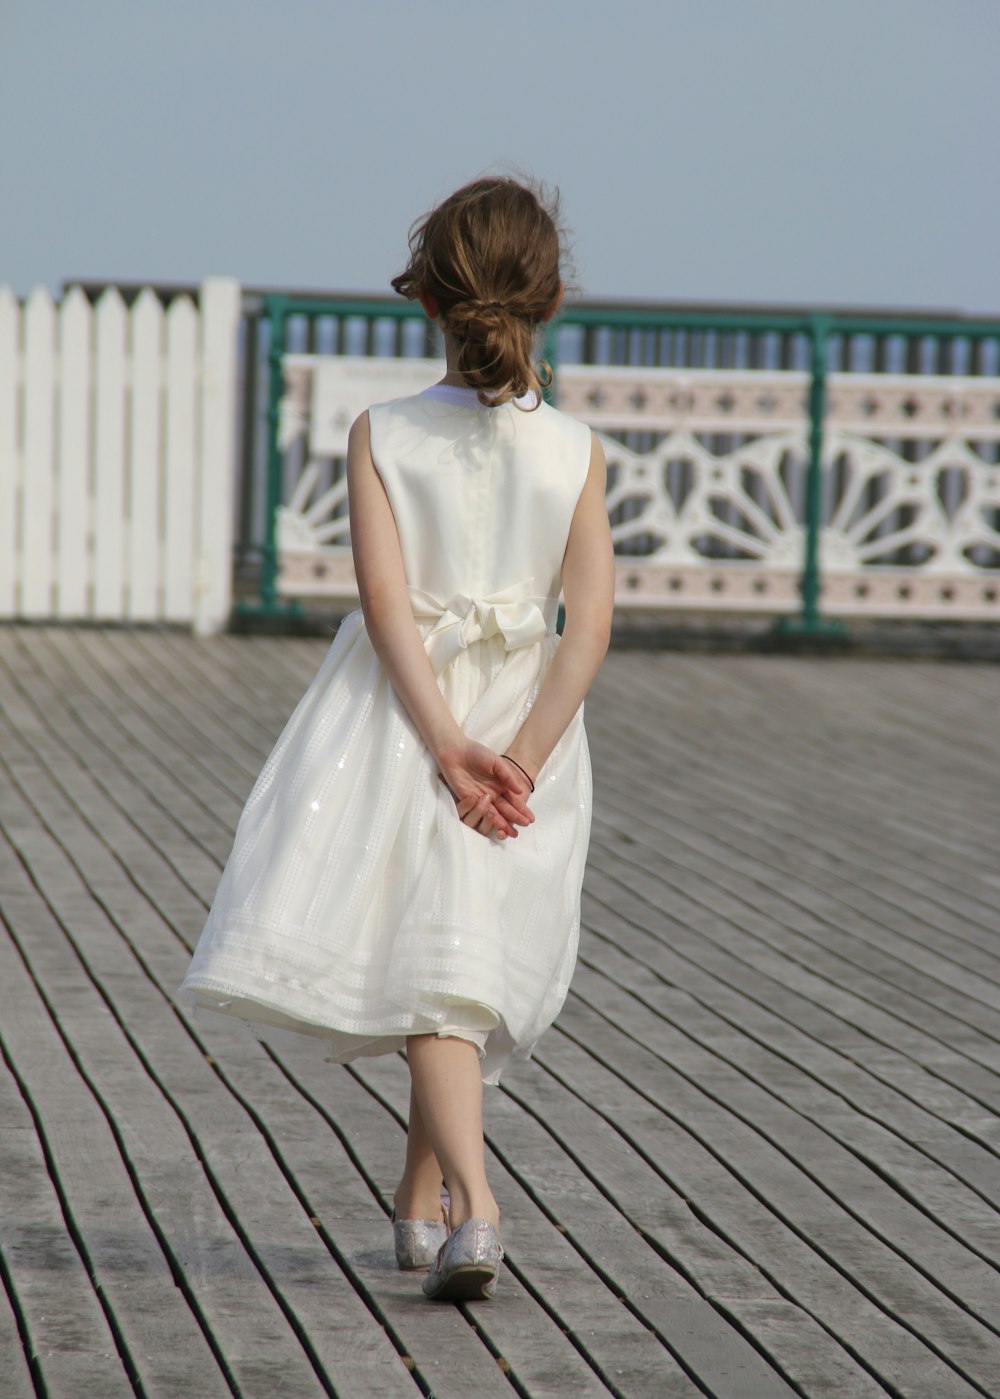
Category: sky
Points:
column 801, row 152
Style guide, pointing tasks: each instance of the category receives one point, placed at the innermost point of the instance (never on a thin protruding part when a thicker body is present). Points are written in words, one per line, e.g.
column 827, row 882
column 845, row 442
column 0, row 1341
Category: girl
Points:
column 407, row 869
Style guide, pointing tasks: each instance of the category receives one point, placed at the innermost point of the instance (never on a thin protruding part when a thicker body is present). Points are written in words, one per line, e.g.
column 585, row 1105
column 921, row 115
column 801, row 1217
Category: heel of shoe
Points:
column 417, row 1242
column 467, row 1268
column 474, row 1283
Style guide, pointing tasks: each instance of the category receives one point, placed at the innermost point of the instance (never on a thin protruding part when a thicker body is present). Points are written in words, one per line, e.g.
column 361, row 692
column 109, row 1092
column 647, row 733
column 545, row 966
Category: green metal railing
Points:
column 817, row 329
column 277, row 311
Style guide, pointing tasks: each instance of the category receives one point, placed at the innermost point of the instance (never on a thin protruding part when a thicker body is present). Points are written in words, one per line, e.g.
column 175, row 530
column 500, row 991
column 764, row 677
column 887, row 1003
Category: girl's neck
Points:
column 451, row 359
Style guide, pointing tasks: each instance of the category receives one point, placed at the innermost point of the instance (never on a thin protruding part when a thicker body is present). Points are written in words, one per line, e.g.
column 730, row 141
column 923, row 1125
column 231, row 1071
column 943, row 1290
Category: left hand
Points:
column 490, row 794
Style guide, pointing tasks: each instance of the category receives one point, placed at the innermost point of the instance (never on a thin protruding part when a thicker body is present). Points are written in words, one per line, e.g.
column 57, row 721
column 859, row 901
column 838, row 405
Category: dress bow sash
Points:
column 517, row 614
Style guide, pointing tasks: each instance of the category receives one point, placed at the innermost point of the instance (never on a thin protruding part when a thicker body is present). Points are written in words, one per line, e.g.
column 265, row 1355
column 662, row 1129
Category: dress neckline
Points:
column 468, row 397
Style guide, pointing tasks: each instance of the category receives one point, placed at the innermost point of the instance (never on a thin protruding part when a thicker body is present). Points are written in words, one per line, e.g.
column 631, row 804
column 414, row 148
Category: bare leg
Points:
column 418, row 1194
column 448, row 1088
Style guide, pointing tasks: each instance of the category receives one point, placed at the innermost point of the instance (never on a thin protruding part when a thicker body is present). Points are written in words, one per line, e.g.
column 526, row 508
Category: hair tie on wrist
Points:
column 519, row 768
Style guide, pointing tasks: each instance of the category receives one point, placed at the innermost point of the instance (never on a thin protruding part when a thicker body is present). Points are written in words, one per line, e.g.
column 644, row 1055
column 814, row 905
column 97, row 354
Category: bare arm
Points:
column 589, row 595
column 489, row 794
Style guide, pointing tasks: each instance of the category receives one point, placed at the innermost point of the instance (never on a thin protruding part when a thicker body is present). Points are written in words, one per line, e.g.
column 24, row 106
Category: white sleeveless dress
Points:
column 356, row 908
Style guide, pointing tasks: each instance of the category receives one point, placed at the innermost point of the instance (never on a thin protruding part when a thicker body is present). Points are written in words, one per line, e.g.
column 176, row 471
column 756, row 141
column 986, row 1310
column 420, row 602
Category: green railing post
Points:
column 276, row 312
column 809, row 622
column 819, row 330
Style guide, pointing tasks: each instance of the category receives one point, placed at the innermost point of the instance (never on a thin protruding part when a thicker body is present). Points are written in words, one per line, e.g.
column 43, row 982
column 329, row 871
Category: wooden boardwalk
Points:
column 758, row 1156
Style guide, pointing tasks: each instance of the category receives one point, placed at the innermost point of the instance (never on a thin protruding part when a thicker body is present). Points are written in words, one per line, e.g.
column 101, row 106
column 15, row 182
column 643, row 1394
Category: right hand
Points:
column 490, row 792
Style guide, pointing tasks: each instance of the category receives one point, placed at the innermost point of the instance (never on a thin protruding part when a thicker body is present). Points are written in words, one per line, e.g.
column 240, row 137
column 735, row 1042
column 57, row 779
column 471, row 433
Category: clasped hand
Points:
column 490, row 792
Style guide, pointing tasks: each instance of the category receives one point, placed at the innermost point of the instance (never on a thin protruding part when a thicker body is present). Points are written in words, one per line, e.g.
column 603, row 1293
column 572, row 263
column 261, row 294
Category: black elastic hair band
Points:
column 519, row 768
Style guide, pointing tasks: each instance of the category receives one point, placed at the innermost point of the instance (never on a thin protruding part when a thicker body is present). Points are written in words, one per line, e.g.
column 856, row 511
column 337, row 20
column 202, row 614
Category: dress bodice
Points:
column 483, row 499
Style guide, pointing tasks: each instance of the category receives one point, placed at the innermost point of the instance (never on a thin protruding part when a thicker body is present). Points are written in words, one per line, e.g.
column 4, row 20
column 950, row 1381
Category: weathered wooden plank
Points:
column 855, row 1102
column 790, row 1193
column 929, row 719
column 802, row 743
column 187, row 830
column 157, row 1334
column 245, row 706
column 797, row 934
column 898, row 1359
column 800, row 767
column 113, row 814
column 159, row 714
column 794, row 990
column 815, row 957
column 799, row 861
column 14, row 1364
column 811, row 856
column 902, row 1197
column 205, row 779
column 68, row 1337
column 162, row 869
column 855, row 1028
column 817, row 831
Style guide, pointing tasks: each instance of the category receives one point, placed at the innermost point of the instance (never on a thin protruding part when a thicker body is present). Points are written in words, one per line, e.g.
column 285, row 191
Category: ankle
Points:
column 478, row 1204
column 417, row 1202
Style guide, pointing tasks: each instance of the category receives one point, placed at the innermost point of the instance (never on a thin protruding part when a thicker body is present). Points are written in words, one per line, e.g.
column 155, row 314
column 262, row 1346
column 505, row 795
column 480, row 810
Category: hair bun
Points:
column 474, row 317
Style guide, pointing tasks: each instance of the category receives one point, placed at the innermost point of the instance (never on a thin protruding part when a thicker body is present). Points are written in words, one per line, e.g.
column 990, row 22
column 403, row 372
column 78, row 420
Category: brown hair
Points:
column 489, row 256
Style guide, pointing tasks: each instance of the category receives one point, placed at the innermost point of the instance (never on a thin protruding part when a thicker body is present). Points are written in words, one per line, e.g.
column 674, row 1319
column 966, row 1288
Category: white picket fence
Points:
column 116, row 456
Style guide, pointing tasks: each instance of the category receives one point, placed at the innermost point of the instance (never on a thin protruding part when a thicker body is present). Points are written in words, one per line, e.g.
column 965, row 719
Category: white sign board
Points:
column 345, row 385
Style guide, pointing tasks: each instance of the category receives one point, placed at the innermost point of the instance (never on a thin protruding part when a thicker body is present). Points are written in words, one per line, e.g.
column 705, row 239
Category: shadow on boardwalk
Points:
column 758, row 1156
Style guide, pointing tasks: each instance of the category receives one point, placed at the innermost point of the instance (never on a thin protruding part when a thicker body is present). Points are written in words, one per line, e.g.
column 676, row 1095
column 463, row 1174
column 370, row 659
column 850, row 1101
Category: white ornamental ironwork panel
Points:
column 706, row 486
column 323, row 395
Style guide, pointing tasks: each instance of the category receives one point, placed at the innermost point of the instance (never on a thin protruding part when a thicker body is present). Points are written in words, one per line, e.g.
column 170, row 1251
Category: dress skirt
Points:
column 356, row 908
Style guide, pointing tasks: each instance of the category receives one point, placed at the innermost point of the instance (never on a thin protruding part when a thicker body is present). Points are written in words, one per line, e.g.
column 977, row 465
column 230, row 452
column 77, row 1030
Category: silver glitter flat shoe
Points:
column 418, row 1241
column 466, row 1268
